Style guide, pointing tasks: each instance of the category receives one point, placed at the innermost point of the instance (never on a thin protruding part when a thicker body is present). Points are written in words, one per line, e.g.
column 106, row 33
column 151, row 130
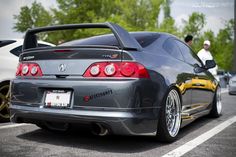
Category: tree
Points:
column 225, row 46
column 221, row 45
column 142, row 16
column 168, row 25
column 166, row 8
column 194, row 24
column 36, row 16
column 234, row 60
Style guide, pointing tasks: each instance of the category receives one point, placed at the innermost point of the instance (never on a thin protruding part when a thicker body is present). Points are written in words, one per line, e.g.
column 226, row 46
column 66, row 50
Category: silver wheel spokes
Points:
column 173, row 118
column 218, row 101
column 4, row 101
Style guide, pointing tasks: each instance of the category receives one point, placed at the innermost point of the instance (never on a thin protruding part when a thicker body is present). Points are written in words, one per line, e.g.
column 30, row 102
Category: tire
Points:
column 170, row 117
column 216, row 109
column 4, row 102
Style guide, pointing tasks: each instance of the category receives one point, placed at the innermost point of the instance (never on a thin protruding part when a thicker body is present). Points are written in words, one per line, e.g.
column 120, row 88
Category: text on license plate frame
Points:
column 58, row 98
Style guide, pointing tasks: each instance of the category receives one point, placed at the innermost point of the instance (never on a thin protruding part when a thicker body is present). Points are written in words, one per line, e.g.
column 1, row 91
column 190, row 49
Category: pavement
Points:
column 206, row 137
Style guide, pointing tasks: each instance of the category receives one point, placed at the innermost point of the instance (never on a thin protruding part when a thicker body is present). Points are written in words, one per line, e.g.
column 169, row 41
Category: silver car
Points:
column 232, row 85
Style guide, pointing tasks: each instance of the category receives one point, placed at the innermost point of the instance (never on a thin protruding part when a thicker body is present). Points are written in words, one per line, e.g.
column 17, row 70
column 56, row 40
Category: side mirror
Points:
column 198, row 69
column 210, row 64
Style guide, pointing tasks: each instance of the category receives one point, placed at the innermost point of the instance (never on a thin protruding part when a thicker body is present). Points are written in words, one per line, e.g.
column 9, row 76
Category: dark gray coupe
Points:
column 139, row 83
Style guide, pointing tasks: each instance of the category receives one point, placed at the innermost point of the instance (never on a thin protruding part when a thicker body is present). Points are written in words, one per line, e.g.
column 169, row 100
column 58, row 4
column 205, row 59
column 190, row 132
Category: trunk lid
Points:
column 70, row 61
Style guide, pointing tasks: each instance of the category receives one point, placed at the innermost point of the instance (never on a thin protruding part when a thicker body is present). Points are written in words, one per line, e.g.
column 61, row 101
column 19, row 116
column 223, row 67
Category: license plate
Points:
column 57, row 98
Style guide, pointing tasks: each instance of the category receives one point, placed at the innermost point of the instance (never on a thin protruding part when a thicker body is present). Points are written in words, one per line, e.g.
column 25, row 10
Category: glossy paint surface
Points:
column 128, row 106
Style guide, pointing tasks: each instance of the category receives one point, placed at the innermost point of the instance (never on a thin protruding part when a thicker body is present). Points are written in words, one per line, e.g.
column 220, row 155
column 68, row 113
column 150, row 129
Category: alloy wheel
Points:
column 218, row 101
column 4, row 101
column 173, row 118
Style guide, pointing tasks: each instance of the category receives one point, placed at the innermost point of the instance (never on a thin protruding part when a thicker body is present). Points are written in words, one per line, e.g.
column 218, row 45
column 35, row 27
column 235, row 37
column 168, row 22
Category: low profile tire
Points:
column 4, row 102
column 170, row 117
column 216, row 109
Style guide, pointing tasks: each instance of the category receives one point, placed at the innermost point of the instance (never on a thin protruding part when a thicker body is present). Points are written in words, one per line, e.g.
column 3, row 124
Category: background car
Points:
column 9, row 52
column 232, row 85
column 139, row 83
column 223, row 77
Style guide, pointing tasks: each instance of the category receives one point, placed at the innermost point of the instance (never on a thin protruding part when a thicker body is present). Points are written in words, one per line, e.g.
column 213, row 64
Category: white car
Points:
column 9, row 52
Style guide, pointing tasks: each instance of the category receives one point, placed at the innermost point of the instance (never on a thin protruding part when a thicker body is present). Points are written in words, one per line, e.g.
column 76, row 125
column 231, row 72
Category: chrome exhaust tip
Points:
column 100, row 130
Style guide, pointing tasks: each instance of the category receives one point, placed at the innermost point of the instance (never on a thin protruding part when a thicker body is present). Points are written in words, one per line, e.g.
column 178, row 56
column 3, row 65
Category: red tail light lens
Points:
column 128, row 69
column 28, row 69
column 117, row 69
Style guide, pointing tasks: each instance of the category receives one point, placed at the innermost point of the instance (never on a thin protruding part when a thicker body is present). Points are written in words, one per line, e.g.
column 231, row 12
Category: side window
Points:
column 171, row 47
column 189, row 56
column 16, row 51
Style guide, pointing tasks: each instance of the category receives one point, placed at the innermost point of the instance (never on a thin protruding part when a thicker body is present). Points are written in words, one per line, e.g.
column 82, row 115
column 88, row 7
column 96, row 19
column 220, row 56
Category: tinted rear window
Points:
column 144, row 39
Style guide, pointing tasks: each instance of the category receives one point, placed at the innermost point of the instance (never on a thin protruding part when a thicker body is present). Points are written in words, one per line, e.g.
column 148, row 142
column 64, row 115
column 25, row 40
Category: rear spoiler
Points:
column 125, row 40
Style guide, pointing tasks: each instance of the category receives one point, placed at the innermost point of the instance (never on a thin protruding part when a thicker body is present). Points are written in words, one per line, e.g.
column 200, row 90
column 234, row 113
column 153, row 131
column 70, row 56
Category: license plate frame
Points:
column 57, row 98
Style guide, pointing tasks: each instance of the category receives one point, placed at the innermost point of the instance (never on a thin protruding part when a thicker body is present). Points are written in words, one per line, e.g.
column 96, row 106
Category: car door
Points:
column 185, row 74
column 201, row 83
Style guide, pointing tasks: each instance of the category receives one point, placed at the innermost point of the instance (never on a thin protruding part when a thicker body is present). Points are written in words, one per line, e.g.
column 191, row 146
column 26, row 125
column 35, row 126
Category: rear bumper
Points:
column 126, row 107
column 129, row 122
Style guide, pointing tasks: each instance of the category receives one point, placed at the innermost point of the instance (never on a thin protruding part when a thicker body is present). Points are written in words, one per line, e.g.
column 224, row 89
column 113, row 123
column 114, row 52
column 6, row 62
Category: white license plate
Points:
column 57, row 98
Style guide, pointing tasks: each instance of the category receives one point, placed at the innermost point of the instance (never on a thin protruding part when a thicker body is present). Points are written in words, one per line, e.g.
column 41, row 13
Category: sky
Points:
column 217, row 13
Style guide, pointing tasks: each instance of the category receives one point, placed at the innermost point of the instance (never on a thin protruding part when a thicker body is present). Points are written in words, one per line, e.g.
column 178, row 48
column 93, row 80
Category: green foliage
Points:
column 142, row 16
column 36, row 16
column 166, row 8
column 195, row 24
column 221, row 44
column 225, row 46
column 168, row 25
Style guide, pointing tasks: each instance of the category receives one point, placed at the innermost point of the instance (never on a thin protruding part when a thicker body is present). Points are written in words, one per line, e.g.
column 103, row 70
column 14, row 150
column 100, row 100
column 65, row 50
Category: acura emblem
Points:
column 62, row 67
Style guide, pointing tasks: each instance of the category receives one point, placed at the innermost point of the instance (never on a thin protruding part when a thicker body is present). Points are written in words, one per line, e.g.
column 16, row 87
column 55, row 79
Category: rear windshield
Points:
column 144, row 39
column 6, row 42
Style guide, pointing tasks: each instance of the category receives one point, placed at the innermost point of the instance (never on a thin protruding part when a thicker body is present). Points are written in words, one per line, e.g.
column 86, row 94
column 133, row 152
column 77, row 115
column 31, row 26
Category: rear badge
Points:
column 113, row 56
column 28, row 58
column 62, row 67
column 87, row 98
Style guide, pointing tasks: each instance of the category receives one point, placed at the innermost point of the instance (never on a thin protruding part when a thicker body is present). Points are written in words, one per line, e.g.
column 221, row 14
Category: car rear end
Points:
column 95, row 86
column 232, row 85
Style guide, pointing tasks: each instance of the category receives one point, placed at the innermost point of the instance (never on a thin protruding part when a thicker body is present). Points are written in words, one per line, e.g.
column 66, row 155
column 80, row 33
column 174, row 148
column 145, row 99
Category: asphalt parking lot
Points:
column 205, row 137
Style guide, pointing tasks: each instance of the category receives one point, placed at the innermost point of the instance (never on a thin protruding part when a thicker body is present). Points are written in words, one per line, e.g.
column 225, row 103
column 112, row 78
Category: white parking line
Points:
column 224, row 90
column 13, row 126
column 200, row 139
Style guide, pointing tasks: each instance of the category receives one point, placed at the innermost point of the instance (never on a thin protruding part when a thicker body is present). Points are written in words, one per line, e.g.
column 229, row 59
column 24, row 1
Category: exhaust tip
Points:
column 100, row 130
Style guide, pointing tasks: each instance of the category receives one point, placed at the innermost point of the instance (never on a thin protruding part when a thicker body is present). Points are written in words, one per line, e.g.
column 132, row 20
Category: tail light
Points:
column 117, row 69
column 28, row 69
column 95, row 70
column 110, row 70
